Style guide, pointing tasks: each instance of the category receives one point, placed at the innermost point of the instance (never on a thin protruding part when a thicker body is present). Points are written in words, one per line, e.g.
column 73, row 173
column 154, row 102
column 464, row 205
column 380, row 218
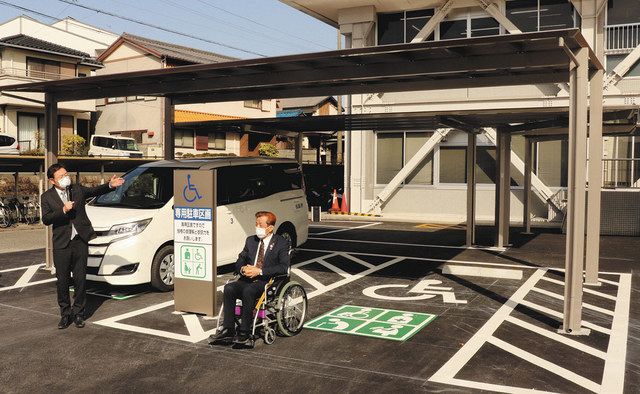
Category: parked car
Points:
column 104, row 145
column 9, row 145
column 134, row 223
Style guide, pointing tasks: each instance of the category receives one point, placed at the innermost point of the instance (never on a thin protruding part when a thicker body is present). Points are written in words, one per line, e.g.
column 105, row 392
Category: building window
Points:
column 257, row 104
column 183, row 138
column 217, row 140
column 621, row 162
column 539, row 15
column 30, row 131
column 621, row 12
column 402, row 27
column 394, row 150
column 41, row 68
column 614, row 60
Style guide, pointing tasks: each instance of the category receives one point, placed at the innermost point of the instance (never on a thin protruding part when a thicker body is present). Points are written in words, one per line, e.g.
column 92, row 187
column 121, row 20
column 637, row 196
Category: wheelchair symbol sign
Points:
column 192, row 260
column 190, row 191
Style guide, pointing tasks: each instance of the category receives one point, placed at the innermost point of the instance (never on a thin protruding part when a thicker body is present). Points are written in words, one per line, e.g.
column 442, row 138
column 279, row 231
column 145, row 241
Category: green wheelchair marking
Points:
column 372, row 322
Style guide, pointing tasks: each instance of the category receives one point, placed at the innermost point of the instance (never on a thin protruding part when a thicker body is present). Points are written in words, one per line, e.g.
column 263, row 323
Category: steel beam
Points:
column 51, row 148
column 471, row 189
column 167, row 135
column 526, row 214
column 503, row 188
column 595, row 180
column 299, row 139
column 574, row 257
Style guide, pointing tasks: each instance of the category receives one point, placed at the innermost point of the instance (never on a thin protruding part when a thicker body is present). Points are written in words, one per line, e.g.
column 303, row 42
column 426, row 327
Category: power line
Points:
column 263, row 25
column 260, row 35
column 161, row 28
column 28, row 10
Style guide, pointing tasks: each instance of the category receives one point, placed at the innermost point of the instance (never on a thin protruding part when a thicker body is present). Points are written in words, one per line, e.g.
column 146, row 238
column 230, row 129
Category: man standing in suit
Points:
column 264, row 256
column 63, row 206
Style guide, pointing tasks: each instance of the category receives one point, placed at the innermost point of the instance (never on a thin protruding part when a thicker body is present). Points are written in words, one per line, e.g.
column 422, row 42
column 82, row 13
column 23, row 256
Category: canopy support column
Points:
column 169, row 142
column 595, row 180
column 471, row 188
column 299, row 139
column 574, row 260
column 526, row 214
column 51, row 147
column 503, row 188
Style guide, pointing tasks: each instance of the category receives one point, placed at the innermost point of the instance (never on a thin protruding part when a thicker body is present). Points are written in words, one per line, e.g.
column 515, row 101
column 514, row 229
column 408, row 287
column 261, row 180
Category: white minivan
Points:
column 134, row 223
column 106, row 145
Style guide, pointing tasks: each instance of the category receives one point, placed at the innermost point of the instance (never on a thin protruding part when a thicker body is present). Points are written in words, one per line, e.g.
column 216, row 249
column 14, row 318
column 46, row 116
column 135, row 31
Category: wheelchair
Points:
column 280, row 310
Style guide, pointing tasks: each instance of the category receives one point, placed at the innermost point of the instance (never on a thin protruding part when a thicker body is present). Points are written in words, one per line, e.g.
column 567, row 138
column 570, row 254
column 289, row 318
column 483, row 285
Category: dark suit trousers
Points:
column 73, row 258
column 246, row 290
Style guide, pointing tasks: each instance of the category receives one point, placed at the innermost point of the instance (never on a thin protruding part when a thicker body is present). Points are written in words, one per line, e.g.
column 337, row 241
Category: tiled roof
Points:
column 24, row 41
column 178, row 52
column 182, row 116
column 302, row 102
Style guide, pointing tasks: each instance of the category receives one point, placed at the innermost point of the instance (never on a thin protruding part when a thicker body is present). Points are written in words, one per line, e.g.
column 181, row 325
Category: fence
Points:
column 622, row 37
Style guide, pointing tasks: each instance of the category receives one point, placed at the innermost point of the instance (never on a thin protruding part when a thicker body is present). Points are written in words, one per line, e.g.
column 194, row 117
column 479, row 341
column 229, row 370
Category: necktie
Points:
column 65, row 198
column 260, row 261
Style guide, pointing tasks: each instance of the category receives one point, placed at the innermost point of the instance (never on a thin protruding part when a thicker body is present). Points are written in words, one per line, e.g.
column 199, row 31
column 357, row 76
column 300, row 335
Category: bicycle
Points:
column 6, row 216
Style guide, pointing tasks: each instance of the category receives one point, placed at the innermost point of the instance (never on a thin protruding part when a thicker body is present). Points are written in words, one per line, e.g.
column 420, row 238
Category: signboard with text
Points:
column 194, row 238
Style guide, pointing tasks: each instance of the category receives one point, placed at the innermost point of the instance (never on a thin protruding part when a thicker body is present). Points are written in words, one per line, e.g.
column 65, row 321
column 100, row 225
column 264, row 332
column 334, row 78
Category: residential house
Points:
column 142, row 117
column 318, row 147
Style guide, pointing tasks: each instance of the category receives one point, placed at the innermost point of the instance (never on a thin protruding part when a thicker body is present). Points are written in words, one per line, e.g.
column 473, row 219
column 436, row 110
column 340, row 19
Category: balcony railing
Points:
column 621, row 173
column 622, row 37
column 23, row 73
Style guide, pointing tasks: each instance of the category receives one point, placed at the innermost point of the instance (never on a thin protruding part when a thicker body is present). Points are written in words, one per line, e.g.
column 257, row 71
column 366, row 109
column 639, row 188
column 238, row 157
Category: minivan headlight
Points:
column 128, row 229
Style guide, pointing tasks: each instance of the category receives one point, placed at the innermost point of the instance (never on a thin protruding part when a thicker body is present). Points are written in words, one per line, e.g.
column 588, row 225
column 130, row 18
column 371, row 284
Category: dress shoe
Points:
column 65, row 322
column 224, row 333
column 241, row 339
column 78, row 321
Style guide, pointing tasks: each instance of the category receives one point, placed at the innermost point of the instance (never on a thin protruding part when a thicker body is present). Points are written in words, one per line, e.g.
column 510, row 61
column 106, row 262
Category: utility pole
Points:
column 339, row 100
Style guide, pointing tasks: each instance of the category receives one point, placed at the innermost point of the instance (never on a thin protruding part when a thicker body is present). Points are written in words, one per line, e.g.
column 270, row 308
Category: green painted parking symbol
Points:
column 372, row 322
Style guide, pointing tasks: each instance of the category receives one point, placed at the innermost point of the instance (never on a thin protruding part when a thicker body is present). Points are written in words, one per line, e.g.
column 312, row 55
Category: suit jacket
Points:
column 52, row 213
column 276, row 259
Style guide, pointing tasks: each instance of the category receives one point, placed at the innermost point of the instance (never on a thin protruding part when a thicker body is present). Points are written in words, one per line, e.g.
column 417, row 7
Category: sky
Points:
column 242, row 28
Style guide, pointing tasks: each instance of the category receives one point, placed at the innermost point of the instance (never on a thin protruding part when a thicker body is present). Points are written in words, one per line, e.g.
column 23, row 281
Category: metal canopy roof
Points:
column 553, row 120
column 484, row 61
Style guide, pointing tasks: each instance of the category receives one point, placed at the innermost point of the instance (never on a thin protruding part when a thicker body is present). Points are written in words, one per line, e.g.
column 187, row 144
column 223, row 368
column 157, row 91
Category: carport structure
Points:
column 561, row 56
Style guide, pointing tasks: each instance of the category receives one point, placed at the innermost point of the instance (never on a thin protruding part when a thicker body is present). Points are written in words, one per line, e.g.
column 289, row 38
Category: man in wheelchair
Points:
column 265, row 255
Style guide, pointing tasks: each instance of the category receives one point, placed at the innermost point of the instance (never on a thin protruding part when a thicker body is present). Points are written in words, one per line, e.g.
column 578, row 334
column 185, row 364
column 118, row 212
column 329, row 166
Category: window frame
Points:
column 404, row 160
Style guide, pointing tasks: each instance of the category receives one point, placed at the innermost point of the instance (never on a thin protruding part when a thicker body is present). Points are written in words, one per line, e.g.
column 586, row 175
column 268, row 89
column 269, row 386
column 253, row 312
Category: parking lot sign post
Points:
column 194, row 235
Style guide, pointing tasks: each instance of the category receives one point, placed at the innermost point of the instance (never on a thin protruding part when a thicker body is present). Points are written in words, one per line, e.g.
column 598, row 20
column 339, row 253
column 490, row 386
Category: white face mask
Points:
column 261, row 232
column 65, row 181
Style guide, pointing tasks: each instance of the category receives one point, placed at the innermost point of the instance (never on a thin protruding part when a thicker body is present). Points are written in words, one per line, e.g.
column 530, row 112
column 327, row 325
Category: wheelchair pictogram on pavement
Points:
column 372, row 322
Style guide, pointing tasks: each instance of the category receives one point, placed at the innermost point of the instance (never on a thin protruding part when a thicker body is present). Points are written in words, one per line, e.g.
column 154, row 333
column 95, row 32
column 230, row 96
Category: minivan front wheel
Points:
column 163, row 269
column 288, row 232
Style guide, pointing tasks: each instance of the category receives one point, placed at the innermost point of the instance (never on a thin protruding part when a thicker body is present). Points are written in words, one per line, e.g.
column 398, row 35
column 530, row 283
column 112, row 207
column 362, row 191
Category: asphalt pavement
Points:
column 391, row 307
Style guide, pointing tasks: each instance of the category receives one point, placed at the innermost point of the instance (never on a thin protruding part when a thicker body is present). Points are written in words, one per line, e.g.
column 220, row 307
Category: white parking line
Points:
column 307, row 278
column 334, row 269
column 24, row 280
column 614, row 367
column 557, row 337
column 561, row 298
column 559, row 315
column 542, row 363
column 492, row 248
column 586, row 289
column 348, row 228
column 350, row 256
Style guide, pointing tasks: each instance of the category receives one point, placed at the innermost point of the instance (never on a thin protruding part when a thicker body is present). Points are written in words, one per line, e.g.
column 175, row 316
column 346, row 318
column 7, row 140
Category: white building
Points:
column 32, row 51
column 436, row 190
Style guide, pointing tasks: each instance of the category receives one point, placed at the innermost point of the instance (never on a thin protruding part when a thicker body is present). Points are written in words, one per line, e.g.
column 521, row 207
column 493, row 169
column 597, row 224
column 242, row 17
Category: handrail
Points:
column 622, row 37
column 35, row 74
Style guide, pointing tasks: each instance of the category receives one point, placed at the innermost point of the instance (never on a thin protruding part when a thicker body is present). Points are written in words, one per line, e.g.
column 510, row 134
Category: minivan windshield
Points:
column 126, row 145
column 143, row 188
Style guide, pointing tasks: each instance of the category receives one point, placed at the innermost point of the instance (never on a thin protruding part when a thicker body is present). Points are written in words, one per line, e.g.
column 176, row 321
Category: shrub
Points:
column 268, row 150
column 72, row 145
column 33, row 152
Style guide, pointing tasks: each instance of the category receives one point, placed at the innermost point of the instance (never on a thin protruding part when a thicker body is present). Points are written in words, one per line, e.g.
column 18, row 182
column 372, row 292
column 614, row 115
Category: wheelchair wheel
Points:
column 269, row 335
column 292, row 309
